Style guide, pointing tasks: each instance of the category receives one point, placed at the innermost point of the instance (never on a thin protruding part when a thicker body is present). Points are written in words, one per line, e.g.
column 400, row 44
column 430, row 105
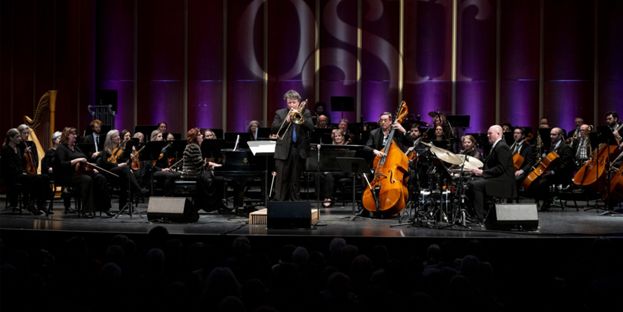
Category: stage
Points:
column 584, row 221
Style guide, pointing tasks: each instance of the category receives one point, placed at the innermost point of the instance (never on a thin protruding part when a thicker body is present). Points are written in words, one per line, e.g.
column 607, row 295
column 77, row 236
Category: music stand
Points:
column 355, row 165
column 212, row 149
column 263, row 148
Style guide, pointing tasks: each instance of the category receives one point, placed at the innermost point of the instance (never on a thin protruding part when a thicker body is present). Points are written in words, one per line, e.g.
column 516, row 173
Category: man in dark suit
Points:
column 95, row 138
column 378, row 137
column 559, row 171
column 522, row 148
column 291, row 147
column 498, row 174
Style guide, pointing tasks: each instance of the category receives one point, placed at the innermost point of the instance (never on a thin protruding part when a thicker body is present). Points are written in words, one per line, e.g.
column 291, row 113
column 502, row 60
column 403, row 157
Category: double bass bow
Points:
column 387, row 193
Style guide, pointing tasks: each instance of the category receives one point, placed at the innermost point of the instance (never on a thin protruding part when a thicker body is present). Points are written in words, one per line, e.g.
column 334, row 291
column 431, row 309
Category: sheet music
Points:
column 262, row 147
column 237, row 141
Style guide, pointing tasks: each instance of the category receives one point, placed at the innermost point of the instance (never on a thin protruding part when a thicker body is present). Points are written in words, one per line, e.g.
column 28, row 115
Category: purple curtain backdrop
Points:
column 211, row 58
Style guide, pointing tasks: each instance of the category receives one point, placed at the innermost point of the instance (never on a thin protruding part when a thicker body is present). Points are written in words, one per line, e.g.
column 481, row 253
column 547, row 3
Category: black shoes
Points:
column 109, row 214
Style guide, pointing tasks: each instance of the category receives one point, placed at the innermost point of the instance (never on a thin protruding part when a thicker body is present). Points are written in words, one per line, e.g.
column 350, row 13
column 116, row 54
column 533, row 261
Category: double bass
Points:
column 388, row 184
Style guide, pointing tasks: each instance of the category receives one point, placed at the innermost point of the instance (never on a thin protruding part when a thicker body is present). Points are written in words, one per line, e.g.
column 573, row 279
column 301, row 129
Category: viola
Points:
column 388, row 188
column 538, row 171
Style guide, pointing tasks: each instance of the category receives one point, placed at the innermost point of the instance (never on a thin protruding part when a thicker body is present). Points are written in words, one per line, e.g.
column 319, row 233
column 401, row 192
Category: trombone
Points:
column 296, row 116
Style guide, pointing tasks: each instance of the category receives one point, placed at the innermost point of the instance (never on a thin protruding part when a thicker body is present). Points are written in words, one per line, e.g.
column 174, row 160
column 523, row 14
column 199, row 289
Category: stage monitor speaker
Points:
column 171, row 209
column 513, row 216
column 288, row 214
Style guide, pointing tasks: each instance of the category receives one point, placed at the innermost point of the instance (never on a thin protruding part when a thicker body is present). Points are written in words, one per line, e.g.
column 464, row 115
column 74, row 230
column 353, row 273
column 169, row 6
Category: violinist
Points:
column 28, row 150
column 162, row 128
column 523, row 155
column 35, row 187
column 497, row 175
column 349, row 137
column 126, row 136
column 115, row 159
column 559, row 172
column 71, row 169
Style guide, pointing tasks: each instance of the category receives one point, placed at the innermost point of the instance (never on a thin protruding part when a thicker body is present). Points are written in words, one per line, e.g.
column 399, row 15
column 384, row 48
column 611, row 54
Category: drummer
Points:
column 498, row 175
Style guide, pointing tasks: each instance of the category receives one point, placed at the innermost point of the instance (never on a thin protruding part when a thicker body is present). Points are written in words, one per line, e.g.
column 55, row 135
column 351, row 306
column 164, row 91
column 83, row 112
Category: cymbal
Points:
column 470, row 161
column 444, row 154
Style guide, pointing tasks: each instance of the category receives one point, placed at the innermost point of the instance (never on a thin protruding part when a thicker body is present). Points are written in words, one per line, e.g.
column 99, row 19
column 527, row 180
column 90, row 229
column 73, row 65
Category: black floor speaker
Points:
column 171, row 209
column 288, row 214
column 513, row 216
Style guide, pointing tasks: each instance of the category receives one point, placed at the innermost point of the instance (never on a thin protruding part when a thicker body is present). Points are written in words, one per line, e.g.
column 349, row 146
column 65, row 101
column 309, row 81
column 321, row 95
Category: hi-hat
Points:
column 470, row 162
column 444, row 154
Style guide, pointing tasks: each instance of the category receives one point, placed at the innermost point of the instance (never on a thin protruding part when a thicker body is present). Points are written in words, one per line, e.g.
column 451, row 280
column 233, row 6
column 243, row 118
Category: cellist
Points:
column 523, row 155
column 558, row 172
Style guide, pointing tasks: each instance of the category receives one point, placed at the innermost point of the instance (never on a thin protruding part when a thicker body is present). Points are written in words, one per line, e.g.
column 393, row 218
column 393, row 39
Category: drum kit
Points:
column 439, row 198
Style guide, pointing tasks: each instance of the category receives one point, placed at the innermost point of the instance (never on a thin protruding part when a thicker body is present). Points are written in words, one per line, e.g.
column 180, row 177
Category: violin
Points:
column 134, row 156
column 114, row 155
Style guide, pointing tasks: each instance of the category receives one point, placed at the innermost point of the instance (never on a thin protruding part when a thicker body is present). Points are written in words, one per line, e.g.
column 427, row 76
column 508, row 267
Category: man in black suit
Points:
column 378, row 137
column 559, row 171
column 522, row 148
column 291, row 147
column 95, row 138
column 498, row 174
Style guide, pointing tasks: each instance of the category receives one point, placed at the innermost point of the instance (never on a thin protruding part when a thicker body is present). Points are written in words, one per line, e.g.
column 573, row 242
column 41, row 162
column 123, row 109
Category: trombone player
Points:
column 292, row 126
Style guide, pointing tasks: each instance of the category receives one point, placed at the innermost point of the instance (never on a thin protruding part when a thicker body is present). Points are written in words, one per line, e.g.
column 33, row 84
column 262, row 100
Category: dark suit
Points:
column 290, row 156
column 525, row 151
column 90, row 139
column 375, row 140
column 498, row 179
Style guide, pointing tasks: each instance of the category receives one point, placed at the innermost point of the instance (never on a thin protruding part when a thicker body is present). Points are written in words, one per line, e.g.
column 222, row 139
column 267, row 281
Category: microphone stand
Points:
column 318, row 174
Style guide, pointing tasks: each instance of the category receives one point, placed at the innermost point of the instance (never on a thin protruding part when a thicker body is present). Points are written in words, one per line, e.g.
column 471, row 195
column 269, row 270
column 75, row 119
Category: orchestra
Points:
column 537, row 164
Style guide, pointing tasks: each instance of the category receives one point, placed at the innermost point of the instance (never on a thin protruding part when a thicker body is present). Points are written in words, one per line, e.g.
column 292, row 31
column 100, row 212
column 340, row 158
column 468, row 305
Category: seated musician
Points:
column 15, row 170
column 582, row 145
column 558, row 172
column 252, row 130
column 523, row 155
column 497, row 176
column 208, row 196
column 39, row 182
column 126, row 136
column 323, row 122
column 616, row 127
column 71, row 169
column 378, row 137
column 162, row 128
column 115, row 159
column 349, row 136
column 470, row 147
column 327, row 179
column 95, row 138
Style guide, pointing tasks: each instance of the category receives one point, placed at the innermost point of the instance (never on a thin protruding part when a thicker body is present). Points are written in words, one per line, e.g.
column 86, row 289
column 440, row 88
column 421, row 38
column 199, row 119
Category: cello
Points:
column 615, row 192
column 593, row 170
column 388, row 188
column 540, row 169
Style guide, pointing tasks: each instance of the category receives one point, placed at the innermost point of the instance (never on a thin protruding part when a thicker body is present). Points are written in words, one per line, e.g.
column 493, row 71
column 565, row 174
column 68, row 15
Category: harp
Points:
column 42, row 123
